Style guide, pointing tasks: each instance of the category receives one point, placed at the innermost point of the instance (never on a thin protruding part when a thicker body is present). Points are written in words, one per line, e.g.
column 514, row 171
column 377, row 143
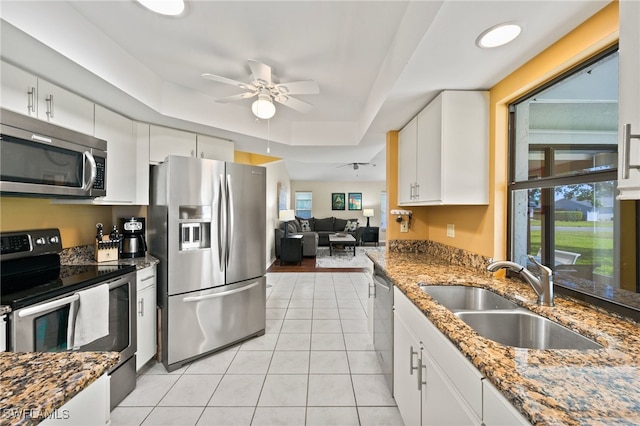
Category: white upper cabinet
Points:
column 215, row 148
column 19, row 90
column 63, row 108
column 164, row 141
column 629, row 101
column 27, row 94
column 451, row 155
column 407, row 147
column 121, row 156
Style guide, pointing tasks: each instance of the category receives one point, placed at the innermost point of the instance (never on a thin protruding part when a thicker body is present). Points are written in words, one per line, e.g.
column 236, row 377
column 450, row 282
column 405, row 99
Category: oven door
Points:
column 44, row 327
column 31, row 163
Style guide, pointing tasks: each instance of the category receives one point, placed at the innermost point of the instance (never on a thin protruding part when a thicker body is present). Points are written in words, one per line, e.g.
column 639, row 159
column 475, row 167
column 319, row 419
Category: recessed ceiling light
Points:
column 499, row 35
column 164, row 7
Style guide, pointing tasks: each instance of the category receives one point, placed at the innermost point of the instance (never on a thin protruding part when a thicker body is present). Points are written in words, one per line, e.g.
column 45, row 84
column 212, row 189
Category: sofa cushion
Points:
column 305, row 225
column 325, row 224
column 339, row 224
column 351, row 226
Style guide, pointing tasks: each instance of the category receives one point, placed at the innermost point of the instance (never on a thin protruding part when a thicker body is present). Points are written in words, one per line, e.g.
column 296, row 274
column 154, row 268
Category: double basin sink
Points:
column 499, row 319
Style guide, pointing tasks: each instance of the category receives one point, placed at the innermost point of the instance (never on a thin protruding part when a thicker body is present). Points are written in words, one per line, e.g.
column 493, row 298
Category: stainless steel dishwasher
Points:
column 383, row 324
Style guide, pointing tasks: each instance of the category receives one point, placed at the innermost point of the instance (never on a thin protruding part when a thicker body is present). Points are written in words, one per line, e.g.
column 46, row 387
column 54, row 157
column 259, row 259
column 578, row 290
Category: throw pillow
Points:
column 305, row 225
column 351, row 226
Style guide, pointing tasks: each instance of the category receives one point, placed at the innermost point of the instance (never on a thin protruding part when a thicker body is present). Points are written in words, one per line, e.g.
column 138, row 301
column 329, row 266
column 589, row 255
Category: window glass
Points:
column 304, row 204
column 563, row 175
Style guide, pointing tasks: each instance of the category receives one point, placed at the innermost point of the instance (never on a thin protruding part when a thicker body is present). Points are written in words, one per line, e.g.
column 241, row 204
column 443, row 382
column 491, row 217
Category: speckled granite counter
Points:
column 34, row 384
column 566, row 387
column 83, row 255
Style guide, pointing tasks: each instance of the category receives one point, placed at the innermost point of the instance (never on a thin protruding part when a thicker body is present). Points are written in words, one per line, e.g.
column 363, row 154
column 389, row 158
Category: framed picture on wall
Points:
column 337, row 201
column 355, row 201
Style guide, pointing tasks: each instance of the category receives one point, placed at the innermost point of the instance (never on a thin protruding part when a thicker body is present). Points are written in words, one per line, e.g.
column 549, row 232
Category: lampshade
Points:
column 263, row 107
column 286, row 215
column 367, row 212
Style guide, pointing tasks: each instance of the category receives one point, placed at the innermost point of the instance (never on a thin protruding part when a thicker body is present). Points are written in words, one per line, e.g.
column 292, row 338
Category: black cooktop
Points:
column 27, row 288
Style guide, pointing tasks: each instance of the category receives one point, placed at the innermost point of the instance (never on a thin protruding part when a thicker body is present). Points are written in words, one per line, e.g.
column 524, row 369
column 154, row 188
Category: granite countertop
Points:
column 33, row 384
column 568, row 387
column 83, row 255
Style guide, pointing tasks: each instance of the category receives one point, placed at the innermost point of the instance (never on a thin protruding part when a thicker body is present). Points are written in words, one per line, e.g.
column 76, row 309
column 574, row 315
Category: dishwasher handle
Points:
column 381, row 282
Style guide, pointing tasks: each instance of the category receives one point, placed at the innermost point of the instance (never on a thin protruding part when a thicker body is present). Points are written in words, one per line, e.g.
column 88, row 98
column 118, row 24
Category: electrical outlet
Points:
column 404, row 226
column 451, row 230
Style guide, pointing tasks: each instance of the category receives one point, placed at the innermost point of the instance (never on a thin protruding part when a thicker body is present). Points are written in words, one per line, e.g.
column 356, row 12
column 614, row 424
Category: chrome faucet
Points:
column 542, row 285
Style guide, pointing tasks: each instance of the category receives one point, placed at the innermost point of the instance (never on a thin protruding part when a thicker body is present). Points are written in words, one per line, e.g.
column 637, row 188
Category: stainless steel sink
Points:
column 463, row 298
column 524, row 329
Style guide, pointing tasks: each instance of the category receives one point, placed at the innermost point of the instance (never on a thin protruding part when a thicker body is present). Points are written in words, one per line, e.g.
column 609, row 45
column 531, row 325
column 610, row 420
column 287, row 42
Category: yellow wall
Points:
column 483, row 229
column 77, row 223
column 253, row 159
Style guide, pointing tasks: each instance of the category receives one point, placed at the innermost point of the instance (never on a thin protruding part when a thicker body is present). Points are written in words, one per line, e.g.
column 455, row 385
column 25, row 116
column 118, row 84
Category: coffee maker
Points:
column 132, row 243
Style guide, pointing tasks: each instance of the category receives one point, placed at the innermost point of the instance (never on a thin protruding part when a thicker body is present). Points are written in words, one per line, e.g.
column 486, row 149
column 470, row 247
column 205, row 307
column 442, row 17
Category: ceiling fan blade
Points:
column 295, row 104
column 226, row 80
column 239, row 97
column 260, row 71
column 299, row 88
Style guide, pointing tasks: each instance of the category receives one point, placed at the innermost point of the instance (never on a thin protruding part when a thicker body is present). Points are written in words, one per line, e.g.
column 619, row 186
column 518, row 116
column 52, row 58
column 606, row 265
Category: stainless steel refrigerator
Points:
column 207, row 226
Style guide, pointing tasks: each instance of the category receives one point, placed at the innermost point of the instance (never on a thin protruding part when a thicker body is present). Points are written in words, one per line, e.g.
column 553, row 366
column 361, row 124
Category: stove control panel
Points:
column 19, row 244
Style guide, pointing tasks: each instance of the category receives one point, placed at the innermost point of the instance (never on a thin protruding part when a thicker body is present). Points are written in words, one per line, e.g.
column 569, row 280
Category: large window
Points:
column 563, row 171
column 304, row 204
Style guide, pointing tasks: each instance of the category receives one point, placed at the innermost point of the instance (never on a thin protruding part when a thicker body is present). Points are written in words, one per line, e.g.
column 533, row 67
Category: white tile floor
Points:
column 314, row 366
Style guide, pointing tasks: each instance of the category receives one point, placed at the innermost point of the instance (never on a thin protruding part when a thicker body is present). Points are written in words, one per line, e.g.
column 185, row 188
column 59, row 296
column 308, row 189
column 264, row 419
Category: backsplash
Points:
column 453, row 255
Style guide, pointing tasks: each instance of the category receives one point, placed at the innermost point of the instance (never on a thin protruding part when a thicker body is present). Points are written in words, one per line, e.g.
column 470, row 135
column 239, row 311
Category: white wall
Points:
column 322, row 199
column 276, row 172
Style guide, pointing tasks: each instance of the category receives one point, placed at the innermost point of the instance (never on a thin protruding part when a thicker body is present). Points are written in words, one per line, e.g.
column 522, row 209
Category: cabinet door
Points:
column 164, row 141
column 496, row 410
column 19, row 90
column 407, row 139
column 429, row 153
column 141, row 134
column 214, row 148
column 629, row 102
column 441, row 403
column 121, row 156
column 63, row 108
column 146, row 311
column 406, row 388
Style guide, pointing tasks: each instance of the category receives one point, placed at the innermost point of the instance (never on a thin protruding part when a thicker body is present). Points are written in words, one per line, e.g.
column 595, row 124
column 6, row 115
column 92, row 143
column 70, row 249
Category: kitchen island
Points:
column 599, row 386
column 34, row 385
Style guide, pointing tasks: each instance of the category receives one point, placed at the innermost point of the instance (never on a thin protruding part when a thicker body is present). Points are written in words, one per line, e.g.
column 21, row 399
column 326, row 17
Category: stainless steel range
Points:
column 57, row 307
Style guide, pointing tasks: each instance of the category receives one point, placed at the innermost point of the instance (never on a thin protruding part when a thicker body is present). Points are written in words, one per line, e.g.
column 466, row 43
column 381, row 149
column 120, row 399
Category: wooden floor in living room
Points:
column 308, row 265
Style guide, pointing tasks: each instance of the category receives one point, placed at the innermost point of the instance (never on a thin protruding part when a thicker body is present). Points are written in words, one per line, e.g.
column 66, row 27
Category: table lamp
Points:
column 286, row 216
column 367, row 213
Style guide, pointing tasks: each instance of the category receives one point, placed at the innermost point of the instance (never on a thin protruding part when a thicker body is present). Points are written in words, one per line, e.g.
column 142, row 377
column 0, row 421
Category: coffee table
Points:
column 345, row 240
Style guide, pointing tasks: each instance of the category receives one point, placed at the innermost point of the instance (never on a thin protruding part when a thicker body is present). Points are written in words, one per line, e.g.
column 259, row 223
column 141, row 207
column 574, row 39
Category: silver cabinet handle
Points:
column 411, row 191
column 626, row 150
column 31, row 99
column 411, row 354
column 421, row 374
column 147, row 278
column 141, row 305
column 49, row 100
column 417, row 191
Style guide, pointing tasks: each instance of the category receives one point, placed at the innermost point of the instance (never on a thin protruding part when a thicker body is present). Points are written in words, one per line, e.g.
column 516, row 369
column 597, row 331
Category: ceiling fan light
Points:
column 164, row 7
column 263, row 107
column 499, row 35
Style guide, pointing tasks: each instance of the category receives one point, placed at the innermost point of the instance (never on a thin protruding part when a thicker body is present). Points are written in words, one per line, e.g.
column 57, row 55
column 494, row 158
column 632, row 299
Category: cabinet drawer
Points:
column 146, row 277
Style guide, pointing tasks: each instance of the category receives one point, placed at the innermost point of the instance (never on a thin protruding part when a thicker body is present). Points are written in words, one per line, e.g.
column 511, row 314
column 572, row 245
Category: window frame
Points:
column 295, row 203
column 547, row 197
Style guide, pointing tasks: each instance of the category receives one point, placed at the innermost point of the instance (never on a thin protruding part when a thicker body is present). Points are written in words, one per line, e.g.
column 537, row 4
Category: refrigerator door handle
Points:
column 221, row 247
column 230, row 221
column 223, row 294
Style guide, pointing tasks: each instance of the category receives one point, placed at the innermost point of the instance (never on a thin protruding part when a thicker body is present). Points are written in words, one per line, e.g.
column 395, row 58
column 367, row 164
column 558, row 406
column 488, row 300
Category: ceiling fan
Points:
column 265, row 86
column 356, row 166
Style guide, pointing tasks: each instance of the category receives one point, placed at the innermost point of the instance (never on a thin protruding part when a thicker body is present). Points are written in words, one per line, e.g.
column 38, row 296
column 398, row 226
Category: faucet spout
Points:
column 542, row 285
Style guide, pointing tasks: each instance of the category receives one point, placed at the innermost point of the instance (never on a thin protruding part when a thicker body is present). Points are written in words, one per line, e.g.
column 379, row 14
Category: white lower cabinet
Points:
column 88, row 408
column 496, row 410
column 434, row 384
column 146, row 311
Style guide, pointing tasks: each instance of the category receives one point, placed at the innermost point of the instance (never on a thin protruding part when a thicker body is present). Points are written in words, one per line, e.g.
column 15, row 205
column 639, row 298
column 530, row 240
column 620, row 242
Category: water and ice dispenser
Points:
column 195, row 227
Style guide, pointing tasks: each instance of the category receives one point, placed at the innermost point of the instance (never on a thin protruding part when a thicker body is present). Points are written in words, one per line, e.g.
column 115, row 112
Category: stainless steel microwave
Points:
column 41, row 159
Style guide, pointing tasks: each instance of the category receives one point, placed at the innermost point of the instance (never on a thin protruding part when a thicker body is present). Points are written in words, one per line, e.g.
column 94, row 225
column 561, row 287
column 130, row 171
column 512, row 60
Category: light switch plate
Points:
column 451, row 230
column 404, row 226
